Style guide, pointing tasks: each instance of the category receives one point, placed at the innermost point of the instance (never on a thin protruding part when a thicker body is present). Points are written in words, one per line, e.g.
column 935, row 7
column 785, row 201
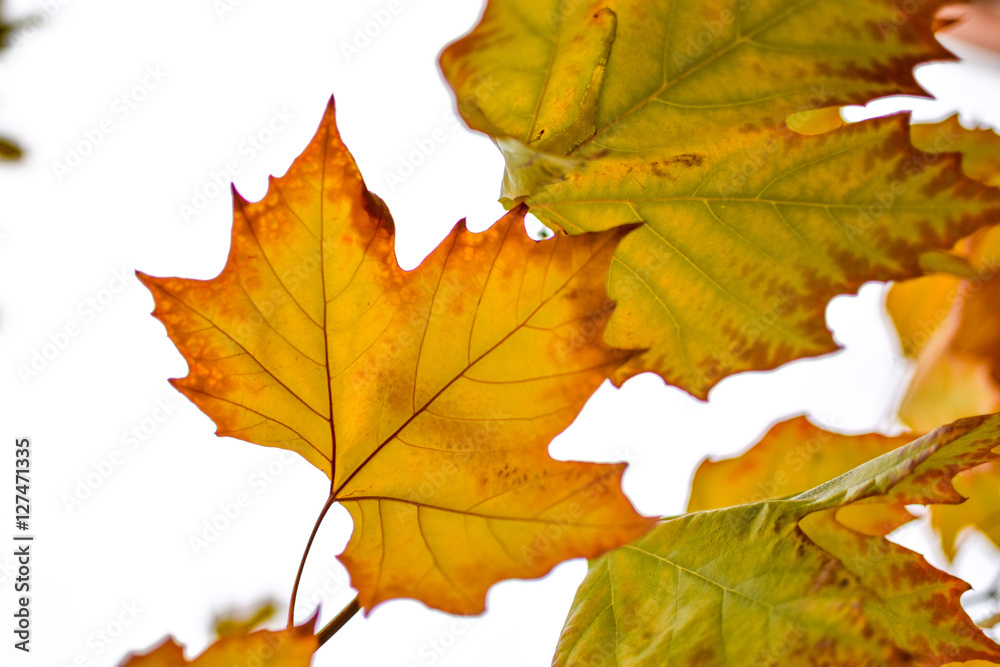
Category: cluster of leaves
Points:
column 708, row 202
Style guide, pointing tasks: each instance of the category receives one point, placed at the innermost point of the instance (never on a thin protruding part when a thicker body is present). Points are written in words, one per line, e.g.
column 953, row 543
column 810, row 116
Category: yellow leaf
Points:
column 918, row 307
column 263, row 648
column 783, row 582
column 951, row 326
column 428, row 397
column 749, row 227
column 793, row 456
column 949, row 383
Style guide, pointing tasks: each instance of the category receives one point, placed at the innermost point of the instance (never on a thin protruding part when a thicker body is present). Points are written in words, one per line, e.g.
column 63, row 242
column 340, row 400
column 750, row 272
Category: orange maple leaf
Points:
column 427, row 396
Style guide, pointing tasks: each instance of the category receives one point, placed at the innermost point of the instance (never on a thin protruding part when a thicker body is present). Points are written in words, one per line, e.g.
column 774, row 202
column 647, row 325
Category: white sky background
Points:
column 265, row 70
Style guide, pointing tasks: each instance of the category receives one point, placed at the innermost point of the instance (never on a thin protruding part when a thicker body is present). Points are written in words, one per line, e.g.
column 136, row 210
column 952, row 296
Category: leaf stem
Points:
column 302, row 563
column 339, row 621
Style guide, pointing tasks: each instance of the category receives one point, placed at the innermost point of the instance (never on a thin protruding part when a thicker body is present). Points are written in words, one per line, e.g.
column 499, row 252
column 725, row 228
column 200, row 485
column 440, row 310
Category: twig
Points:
column 339, row 621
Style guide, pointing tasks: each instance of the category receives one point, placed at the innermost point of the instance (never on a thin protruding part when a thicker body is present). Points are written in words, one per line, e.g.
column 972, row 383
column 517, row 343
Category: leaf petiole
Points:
column 302, row 563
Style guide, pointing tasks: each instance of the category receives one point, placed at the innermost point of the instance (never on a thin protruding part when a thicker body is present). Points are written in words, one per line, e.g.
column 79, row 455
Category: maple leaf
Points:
column 792, row 457
column 428, row 397
column 292, row 647
column 783, row 582
column 674, row 115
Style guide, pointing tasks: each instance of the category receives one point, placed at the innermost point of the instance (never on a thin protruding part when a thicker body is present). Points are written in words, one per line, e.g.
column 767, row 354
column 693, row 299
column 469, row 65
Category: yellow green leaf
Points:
column 941, row 261
column 241, row 622
column 428, row 397
column 264, row 648
column 793, row 456
column 980, row 148
column 750, row 227
column 783, row 582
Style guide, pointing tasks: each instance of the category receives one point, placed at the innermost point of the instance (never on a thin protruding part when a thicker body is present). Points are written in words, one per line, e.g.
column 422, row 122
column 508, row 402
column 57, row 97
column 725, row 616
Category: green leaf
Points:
column 750, row 227
column 781, row 582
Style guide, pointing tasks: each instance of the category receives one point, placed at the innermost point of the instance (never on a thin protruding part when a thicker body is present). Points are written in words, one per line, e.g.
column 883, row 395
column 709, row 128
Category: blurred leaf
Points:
column 236, row 623
column 263, row 648
column 981, row 511
column 951, row 327
column 9, row 150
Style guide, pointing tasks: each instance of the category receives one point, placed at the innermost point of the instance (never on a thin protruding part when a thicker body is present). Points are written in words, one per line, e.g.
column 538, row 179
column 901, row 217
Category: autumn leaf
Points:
column 918, row 307
column 264, row 648
column 981, row 511
column 950, row 326
column 792, row 457
column 948, row 321
column 980, row 148
column 428, row 397
column 674, row 114
column 235, row 622
column 782, row 582
column 956, row 375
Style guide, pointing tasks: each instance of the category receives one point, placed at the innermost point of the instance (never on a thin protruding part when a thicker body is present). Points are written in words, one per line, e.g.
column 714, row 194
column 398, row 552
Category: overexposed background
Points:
column 135, row 118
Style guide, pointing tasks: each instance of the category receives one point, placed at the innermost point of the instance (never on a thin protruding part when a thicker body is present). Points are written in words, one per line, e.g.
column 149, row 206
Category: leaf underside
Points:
column 428, row 397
